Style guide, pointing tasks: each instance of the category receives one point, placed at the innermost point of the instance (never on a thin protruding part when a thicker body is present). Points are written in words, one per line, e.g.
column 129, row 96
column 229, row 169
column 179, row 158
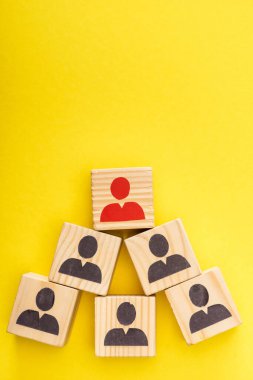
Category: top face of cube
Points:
column 163, row 257
column 85, row 259
column 203, row 306
column 122, row 198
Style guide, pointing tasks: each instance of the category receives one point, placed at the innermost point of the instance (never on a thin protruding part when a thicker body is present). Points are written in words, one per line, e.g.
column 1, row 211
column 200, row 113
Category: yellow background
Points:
column 97, row 84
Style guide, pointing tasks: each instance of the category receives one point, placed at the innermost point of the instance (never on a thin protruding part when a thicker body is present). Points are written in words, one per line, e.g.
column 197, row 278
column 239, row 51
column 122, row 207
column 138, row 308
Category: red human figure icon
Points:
column 114, row 212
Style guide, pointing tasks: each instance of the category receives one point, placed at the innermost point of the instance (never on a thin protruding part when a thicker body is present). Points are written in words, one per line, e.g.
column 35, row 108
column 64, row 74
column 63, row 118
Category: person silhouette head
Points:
column 158, row 245
column 126, row 313
column 199, row 295
column 120, row 187
column 45, row 299
column 87, row 246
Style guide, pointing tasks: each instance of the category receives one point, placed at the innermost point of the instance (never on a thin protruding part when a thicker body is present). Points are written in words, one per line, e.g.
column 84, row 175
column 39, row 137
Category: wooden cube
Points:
column 203, row 306
column 85, row 259
column 125, row 326
column 42, row 310
column 122, row 198
column 163, row 256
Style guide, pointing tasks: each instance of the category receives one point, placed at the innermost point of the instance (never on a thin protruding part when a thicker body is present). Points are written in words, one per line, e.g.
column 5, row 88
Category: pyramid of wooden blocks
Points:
column 42, row 310
column 122, row 198
column 125, row 326
column 85, row 259
column 163, row 257
column 203, row 306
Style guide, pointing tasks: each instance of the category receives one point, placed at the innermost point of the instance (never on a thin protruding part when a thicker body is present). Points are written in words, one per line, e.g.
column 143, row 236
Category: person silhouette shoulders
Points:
column 126, row 314
column 216, row 313
column 120, row 188
column 87, row 248
column 159, row 246
column 47, row 323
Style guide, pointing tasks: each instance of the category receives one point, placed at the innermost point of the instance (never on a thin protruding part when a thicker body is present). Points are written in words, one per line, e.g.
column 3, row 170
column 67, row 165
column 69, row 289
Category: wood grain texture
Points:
column 141, row 192
column 184, row 309
column 105, row 258
column 106, row 320
column 139, row 249
column 62, row 310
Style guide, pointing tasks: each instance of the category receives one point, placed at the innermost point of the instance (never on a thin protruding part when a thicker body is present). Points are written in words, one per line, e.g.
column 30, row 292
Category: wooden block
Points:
column 203, row 306
column 125, row 326
column 85, row 259
column 122, row 198
column 42, row 310
column 163, row 256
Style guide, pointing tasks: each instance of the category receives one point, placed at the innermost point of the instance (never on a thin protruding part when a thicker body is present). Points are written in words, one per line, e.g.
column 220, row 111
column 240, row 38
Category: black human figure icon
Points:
column 159, row 246
column 126, row 314
column 87, row 248
column 31, row 318
column 216, row 313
